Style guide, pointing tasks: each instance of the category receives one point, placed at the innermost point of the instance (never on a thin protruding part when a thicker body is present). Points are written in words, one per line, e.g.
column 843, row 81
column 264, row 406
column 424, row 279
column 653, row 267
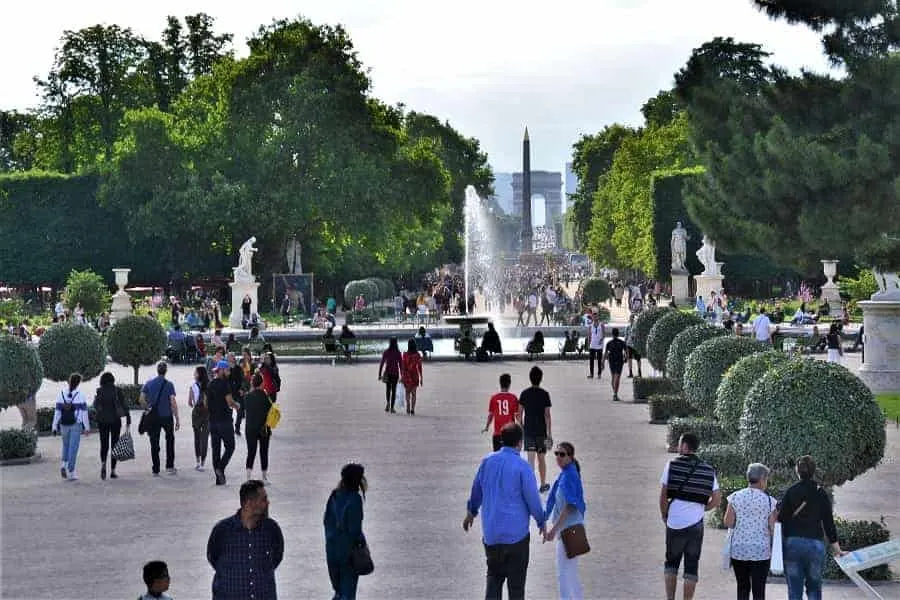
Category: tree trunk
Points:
column 29, row 412
column 136, row 369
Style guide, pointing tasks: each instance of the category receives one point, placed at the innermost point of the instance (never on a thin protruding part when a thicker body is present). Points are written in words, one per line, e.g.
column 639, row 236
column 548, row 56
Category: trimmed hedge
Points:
column 663, row 333
column 737, row 381
column 667, row 406
column 17, row 443
column 645, row 387
column 68, row 348
column 813, row 407
column 727, row 459
column 44, row 419
column 21, row 372
column 595, row 291
column 708, row 431
column 642, row 325
column 853, row 535
column 132, row 393
column 682, row 346
column 134, row 341
column 705, row 366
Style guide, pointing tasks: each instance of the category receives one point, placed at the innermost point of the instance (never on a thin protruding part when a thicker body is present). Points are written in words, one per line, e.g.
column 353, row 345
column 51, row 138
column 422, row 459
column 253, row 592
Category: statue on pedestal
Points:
column 680, row 238
column 707, row 256
column 244, row 270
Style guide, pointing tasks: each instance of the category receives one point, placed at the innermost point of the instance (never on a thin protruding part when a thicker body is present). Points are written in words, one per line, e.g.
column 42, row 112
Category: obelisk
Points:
column 527, row 241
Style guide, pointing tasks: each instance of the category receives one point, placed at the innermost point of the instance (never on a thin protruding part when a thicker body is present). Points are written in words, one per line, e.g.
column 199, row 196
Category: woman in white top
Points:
column 71, row 421
column 751, row 517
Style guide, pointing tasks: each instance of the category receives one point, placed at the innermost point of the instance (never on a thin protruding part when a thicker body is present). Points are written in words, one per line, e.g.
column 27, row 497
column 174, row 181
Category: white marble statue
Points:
column 244, row 270
column 888, row 285
column 707, row 256
column 680, row 238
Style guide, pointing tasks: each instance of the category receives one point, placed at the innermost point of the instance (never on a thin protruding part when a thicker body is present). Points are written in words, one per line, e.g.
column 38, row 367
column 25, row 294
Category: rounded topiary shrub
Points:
column 663, row 333
column 705, row 366
column 737, row 381
column 131, row 393
column 68, row 348
column 17, row 443
column 813, row 407
column 595, row 291
column 21, row 372
column 642, row 325
column 134, row 341
column 727, row 459
column 683, row 344
column 44, row 420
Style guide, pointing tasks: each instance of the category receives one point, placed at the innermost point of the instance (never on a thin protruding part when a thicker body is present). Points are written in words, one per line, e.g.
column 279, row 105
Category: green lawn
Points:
column 890, row 404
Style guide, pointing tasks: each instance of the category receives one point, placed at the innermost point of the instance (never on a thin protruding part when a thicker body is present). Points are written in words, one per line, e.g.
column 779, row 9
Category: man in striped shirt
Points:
column 689, row 489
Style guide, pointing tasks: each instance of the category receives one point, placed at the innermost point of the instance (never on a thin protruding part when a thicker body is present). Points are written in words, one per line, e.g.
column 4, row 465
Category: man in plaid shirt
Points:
column 245, row 549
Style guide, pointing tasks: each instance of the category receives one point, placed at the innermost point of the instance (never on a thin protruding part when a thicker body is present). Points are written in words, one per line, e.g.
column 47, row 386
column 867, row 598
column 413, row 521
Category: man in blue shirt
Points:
column 158, row 397
column 506, row 489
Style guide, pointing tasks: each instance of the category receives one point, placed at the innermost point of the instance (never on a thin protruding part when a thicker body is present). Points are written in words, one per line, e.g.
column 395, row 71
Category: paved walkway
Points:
column 89, row 539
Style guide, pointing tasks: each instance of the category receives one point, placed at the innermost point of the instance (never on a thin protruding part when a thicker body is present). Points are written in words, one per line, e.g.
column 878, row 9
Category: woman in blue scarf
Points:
column 565, row 508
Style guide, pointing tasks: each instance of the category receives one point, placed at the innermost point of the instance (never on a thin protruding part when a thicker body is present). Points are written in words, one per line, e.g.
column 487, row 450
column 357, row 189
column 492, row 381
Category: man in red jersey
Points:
column 503, row 408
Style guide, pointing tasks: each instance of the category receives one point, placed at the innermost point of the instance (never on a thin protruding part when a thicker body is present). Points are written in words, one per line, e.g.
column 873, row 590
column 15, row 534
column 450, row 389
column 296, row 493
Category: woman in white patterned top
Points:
column 751, row 516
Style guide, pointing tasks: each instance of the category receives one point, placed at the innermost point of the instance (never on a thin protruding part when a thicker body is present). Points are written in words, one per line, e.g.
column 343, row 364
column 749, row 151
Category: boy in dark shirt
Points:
column 535, row 403
column 616, row 355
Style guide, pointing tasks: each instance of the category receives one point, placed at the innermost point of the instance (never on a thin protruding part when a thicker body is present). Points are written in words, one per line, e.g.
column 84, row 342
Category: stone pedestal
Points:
column 121, row 301
column 239, row 289
column 881, row 371
column 681, row 287
column 830, row 290
column 706, row 284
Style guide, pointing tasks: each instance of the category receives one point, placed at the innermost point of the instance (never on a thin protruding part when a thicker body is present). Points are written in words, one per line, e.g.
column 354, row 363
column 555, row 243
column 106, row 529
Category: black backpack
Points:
column 68, row 412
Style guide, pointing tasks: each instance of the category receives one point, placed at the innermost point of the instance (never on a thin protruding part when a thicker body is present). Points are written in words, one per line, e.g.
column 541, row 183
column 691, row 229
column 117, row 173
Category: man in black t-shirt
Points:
column 535, row 403
column 220, row 402
column 616, row 355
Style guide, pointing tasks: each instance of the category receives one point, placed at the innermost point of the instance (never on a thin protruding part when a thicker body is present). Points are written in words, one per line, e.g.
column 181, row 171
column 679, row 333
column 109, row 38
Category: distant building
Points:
column 543, row 183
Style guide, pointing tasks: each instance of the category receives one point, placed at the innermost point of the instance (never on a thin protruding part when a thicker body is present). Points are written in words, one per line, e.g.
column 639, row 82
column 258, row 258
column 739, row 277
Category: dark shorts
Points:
column 632, row 353
column 497, row 442
column 616, row 368
column 535, row 443
column 685, row 543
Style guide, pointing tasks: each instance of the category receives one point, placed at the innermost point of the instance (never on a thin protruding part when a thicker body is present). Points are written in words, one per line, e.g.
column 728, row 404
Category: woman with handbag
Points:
column 199, row 415
column 566, row 508
column 345, row 545
column 750, row 517
column 109, row 403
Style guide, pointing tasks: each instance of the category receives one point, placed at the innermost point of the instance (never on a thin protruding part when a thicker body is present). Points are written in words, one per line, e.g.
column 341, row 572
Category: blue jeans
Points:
column 804, row 562
column 71, row 440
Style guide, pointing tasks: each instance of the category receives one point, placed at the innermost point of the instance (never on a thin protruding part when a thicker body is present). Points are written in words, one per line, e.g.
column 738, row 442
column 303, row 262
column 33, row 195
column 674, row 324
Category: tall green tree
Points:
column 592, row 158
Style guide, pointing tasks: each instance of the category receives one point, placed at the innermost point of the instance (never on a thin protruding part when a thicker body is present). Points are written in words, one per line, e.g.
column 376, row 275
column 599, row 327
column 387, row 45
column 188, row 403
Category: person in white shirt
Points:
column 596, row 333
column 761, row 327
column 532, row 309
column 60, row 310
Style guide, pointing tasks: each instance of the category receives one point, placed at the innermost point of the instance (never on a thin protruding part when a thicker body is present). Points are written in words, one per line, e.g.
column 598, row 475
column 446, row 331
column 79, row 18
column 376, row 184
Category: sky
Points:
column 488, row 67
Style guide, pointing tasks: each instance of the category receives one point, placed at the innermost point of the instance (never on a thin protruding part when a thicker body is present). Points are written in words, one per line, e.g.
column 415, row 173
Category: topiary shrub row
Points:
column 372, row 289
column 705, row 366
column 807, row 406
column 663, row 333
column 667, row 406
column 642, row 325
column 17, row 443
column 727, row 459
column 707, row 430
column 645, row 387
column 682, row 346
column 737, row 381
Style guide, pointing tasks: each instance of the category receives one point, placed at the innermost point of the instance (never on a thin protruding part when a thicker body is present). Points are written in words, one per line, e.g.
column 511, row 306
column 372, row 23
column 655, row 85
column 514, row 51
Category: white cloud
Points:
column 489, row 67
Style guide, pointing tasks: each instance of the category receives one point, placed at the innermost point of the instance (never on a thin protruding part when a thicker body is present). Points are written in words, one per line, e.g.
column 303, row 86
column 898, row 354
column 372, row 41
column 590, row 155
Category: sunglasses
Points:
column 561, row 454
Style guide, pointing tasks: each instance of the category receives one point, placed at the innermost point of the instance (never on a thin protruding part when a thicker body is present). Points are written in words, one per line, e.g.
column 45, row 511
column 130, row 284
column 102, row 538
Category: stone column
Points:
column 121, row 301
column 707, row 283
column 680, row 287
column 830, row 290
column 238, row 290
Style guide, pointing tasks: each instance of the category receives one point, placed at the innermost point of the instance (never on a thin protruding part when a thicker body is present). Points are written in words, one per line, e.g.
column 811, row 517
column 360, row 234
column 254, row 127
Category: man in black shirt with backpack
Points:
column 220, row 402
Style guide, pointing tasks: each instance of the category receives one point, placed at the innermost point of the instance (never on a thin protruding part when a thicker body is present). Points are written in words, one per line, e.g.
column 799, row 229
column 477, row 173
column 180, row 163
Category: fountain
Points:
column 480, row 268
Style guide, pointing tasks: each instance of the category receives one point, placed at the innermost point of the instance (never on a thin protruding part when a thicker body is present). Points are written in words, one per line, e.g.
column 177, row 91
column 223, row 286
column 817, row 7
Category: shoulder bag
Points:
column 575, row 540
column 146, row 418
column 360, row 556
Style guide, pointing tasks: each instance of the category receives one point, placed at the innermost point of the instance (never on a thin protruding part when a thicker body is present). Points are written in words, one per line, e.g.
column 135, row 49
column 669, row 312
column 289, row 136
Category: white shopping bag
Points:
column 726, row 551
column 401, row 396
column 776, row 566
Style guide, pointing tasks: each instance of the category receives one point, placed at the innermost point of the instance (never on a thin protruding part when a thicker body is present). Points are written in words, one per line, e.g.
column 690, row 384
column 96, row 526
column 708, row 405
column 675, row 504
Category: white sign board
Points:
column 868, row 557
